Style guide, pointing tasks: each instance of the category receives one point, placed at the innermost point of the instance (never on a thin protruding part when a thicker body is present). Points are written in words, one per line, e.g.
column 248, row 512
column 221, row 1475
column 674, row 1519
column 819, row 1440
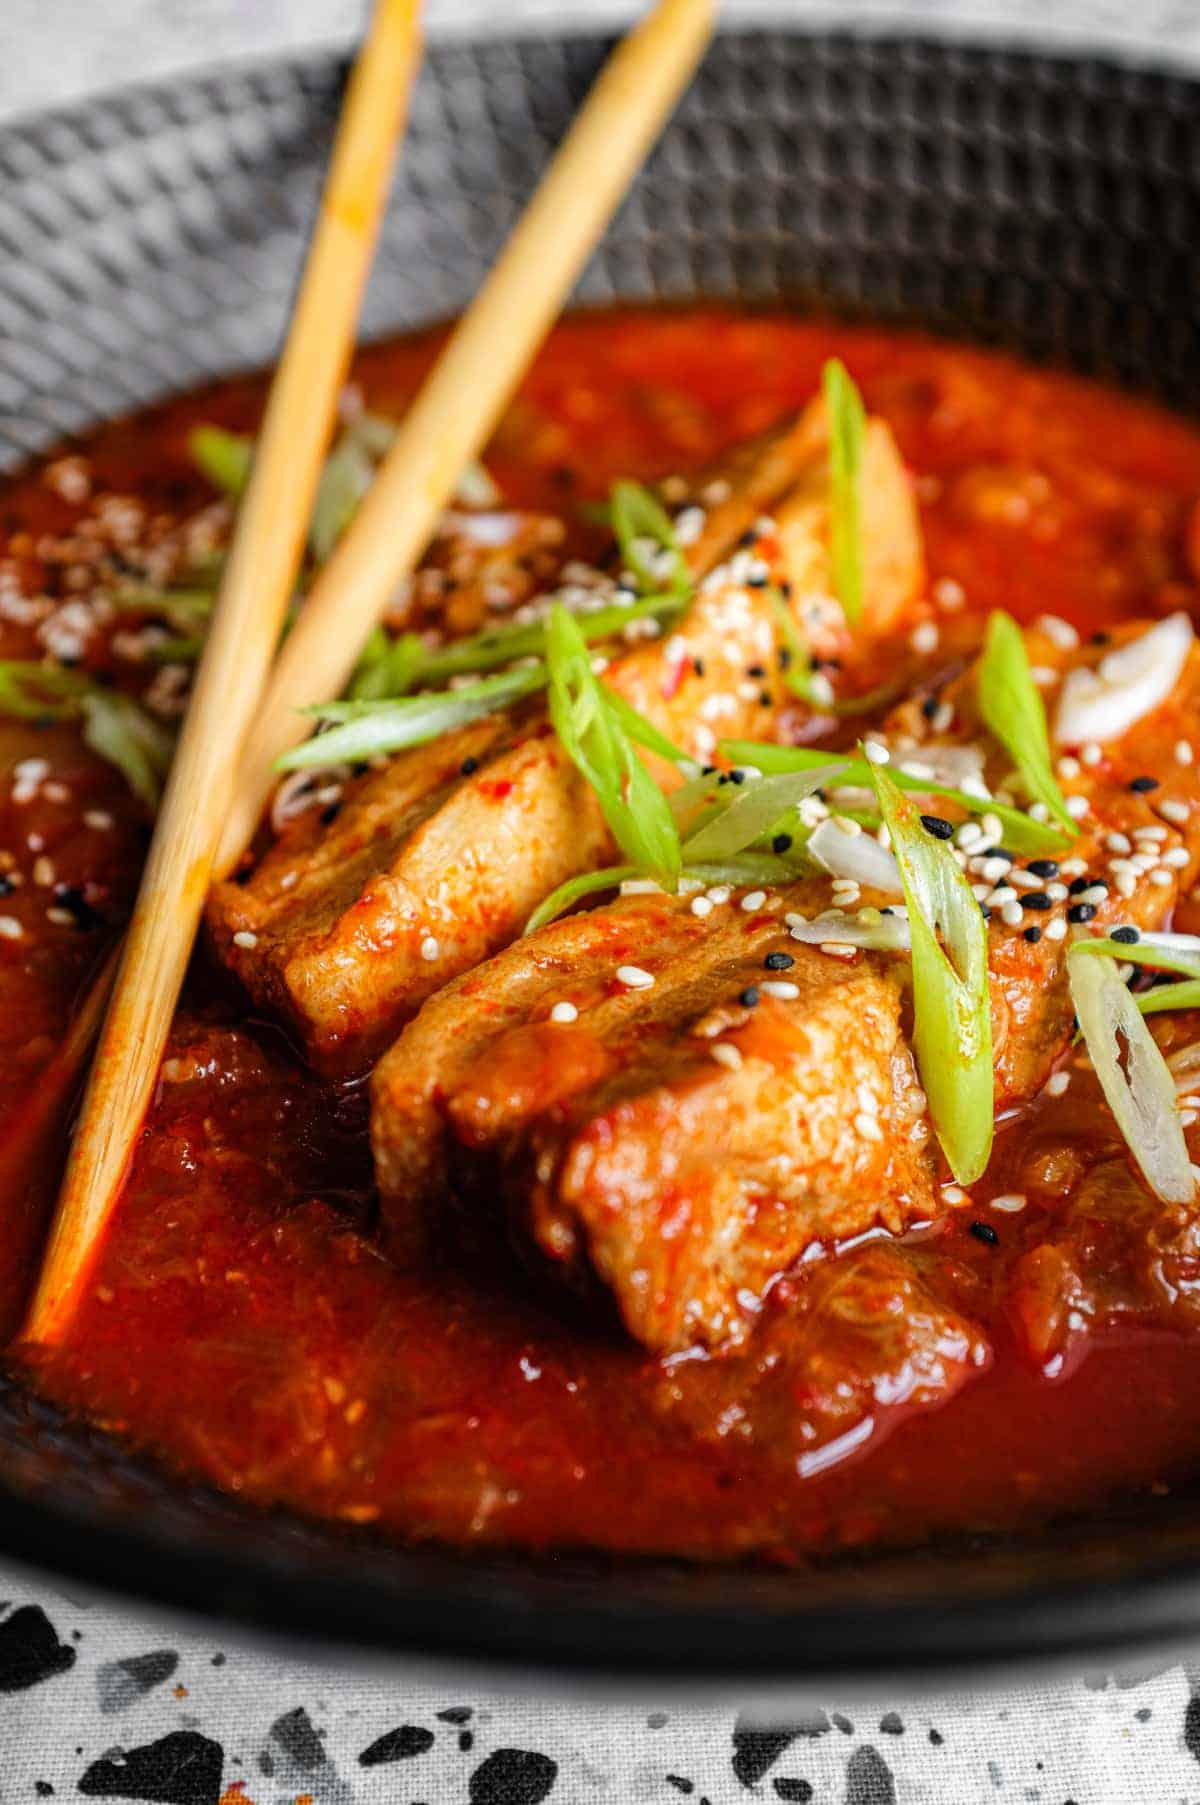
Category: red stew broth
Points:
column 241, row 1327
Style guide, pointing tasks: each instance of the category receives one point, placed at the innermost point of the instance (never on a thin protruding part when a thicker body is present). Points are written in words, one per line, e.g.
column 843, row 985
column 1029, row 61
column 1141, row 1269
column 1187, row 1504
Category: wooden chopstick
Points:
column 461, row 401
column 256, row 586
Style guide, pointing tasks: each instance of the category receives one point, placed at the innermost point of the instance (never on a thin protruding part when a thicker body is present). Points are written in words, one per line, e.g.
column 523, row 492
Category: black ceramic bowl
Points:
column 151, row 240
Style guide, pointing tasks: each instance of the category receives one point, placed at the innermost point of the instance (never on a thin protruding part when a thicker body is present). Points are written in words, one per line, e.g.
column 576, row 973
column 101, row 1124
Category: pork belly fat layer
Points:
column 430, row 864
column 684, row 1140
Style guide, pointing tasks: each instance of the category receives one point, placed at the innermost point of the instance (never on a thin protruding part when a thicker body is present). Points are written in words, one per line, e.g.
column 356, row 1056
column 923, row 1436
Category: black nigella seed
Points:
column 785, row 657
column 756, row 582
column 764, row 696
column 983, row 910
column 1100, row 639
column 983, row 1231
column 1043, row 867
column 1141, row 785
column 1035, row 899
column 698, row 666
column 71, row 898
column 1033, row 935
column 756, row 670
column 1077, row 884
column 737, row 777
column 781, row 842
column 1081, row 912
column 748, row 537
column 1126, row 936
column 749, row 996
column 938, row 826
column 708, row 770
column 6, row 886
column 468, row 766
column 785, row 587
column 331, row 813
column 779, row 961
column 929, row 707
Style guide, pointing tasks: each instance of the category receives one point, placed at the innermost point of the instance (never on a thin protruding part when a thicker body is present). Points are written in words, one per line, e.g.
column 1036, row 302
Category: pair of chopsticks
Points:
column 244, row 713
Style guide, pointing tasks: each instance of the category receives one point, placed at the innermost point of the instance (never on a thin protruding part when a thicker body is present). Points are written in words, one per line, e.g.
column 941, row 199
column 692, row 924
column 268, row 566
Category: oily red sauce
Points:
column 242, row 1324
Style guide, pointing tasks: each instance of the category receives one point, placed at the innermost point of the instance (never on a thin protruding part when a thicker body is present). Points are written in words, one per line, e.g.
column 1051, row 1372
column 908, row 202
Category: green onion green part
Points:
column 847, row 440
column 1012, row 709
column 952, row 1021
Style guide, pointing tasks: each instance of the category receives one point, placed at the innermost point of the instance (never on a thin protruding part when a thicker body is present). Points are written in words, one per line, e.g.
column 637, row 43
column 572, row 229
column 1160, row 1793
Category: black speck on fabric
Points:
column 120, row 1684
column 680, row 1783
column 512, row 1777
column 30, row 1650
column 397, row 1745
column 182, row 1768
column 43, row 1789
column 892, row 1724
column 869, row 1778
column 1191, row 1727
column 936, row 1738
column 843, row 1724
column 755, row 1751
column 296, row 1737
column 797, row 1792
column 657, row 1720
column 456, row 1714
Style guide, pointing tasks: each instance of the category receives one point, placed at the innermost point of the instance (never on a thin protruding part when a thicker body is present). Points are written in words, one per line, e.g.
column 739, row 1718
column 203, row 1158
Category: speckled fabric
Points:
column 111, row 1703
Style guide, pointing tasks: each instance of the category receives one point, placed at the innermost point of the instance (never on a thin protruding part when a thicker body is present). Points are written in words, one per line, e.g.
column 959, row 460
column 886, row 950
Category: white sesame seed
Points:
column 634, row 978
column 1163, row 879
column 640, row 886
column 754, row 900
column 954, row 1194
column 246, row 938
column 1119, row 843
column 720, row 893
column 968, row 835
column 702, row 906
column 1044, row 675
column 781, row 988
column 1056, row 929
column 845, row 825
column 1059, row 631
column 726, row 1054
column 1002, row 894
column 993, row 869
column 62, row 918
column 1057, row 1083
column 1126, row 883
column 1011, row 915
column 924, row 638
column 1091, row 753
column 838, row 949
column 821, row 689
column 43, row 872
column 1183, row 752
column 868, row 1126
column 1095, row 893
column 10, row 928
column 1011, row 1202
column 98, row 819
column 564, row 1012
column 1068, row 767
column 877, row 753
column 1057, row 892
column 1152, row 832
column 31, row 770
column 1188, row 1118
column 430, row 950
column 949, row 594
column 1072, row 867
column 1177, row 812
column 1176, row 857
column 1077, row 807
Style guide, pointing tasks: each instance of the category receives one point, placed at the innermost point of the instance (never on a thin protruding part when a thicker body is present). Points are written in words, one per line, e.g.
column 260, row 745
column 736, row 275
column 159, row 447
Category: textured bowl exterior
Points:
column 150, row 241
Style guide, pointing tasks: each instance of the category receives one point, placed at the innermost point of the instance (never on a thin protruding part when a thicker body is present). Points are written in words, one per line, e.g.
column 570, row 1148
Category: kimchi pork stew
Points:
column 701, row 1057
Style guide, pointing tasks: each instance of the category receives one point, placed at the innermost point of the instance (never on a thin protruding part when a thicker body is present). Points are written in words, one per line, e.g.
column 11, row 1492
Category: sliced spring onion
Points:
column 574, row 890
column 1132, row 1073
column 345, row 478
column 745, row 868
column 885, row 934
column 365, row 729
column 952, row 1020
column 797, row 670
column 114, row 726
column 639, row 521
column 1012, row 709
column 495, row 647
column 124, row 734
column 1021, row 832
column 1129, row 681
column 184, row 608
column 1155, row 953
column 847, row 438
column 223, row 457
column 595, row 736
column 857, row 856
column 751, row 811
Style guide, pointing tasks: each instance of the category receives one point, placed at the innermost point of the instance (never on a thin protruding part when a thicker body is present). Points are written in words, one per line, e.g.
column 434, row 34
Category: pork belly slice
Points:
column 842, row 1352
column 683, row 1140
column 345, row 925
